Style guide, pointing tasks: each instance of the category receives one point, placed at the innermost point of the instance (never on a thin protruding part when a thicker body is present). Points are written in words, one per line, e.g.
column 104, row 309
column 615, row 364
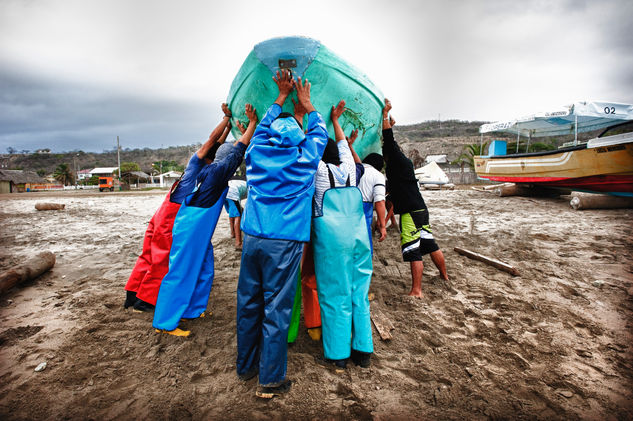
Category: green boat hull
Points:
column 331, row 77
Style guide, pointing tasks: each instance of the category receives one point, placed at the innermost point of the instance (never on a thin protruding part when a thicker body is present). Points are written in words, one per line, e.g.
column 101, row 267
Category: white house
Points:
column 103, row 171
column 169, row 178
column 83, row 174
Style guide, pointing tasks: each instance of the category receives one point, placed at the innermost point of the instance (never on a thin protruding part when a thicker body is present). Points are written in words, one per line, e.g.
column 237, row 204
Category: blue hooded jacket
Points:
column 281, row 162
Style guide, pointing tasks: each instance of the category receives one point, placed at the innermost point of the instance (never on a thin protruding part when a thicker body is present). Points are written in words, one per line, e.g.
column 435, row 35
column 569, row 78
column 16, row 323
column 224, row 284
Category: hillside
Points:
column 427, row 138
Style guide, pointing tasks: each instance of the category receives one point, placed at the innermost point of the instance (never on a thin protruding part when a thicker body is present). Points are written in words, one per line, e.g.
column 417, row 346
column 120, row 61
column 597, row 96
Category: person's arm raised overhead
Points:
column 344, row 152
column 316, row 133
column 216, row 134
column 300, row 112
column 285, row 84
column 350, row 141
column 334, row 116
column 303, row 95
column 251, row 113
column 386, row 122
column 390, row 148
column 225, row 133
column 240, row 127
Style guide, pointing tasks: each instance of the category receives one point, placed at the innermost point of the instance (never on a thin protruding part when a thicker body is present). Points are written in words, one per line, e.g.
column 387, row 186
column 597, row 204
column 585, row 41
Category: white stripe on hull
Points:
column 528, row 162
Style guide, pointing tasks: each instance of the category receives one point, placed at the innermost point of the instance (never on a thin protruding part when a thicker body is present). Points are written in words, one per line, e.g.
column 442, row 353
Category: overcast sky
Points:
column 74, row 74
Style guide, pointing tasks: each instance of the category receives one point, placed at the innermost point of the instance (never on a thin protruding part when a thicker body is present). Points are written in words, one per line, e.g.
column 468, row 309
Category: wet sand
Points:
column 551, row 343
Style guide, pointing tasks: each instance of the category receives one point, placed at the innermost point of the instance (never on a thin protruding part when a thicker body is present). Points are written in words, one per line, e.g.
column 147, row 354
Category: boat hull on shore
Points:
column 599, row 166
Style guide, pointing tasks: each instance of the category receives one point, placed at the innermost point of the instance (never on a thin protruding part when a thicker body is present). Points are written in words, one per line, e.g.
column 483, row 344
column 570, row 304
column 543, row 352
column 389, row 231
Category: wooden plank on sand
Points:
column 488, row 260
column 382, row 323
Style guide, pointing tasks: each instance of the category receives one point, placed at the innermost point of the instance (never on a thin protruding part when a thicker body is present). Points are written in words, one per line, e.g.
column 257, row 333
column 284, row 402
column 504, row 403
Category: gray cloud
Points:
column 37, row 113
column 77, row 73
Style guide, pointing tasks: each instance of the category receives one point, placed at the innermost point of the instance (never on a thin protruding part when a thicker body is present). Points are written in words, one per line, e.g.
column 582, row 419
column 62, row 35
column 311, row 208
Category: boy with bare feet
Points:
column 416, row 237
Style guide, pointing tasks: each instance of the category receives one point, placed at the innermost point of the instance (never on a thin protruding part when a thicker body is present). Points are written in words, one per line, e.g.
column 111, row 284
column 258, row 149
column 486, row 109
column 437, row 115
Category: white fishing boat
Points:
column 603, row 164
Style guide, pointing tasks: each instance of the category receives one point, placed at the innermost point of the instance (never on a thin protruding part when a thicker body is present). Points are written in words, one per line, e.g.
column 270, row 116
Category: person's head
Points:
column 287, row 115
column 223, row 151
column 210, row 156
column 330, row 154
column 375, row 160
column 285, row 130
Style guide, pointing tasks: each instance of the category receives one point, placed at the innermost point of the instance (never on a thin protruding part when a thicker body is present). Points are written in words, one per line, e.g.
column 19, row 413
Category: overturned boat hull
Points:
column 602, row 166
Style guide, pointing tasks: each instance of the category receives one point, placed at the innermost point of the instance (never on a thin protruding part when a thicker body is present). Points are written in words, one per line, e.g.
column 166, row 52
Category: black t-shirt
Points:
column 404, row 191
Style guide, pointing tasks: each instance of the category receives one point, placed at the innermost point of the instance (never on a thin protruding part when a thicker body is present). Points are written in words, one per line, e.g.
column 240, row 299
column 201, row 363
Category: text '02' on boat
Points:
column 601, row 165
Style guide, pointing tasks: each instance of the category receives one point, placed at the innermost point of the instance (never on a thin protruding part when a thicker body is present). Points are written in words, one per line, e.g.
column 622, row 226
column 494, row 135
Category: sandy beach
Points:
column 552, row 343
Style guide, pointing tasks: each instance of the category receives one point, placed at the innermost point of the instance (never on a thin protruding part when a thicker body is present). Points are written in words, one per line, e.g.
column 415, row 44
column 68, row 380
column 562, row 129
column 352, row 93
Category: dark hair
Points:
column 375, row 160
column 330, row 154
column 211, row 154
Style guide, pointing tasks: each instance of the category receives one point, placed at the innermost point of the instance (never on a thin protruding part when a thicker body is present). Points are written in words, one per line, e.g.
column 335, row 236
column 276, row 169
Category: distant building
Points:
column 169, row 178
column 83, row 174
column 103, row 171
column 18, row 181
column 137, row 176
column 45, row 150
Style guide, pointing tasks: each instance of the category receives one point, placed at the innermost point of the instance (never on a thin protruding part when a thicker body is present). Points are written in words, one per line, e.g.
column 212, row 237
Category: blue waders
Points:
column 368, row 209
column 184, row 292
column 343, row 268
column 265, row 295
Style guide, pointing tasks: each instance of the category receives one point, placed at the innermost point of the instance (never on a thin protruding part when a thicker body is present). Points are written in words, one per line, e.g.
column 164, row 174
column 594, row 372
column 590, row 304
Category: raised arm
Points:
column 303, row 95
column 285, row 84
column 390, row 148
column 251, row 113
column 334, row 116
column 350, row 141
column 316, row 133
column 386, row 122
column 216, row 134
column 225, row 133
column 300, row 112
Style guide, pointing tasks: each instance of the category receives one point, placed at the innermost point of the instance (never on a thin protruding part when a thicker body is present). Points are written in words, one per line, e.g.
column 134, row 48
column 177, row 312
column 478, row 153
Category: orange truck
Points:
column 107, row 183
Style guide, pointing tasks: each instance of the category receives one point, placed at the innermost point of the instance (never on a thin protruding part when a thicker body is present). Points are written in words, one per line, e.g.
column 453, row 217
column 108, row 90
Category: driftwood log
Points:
column 382, row 323
column 49, row 206
column 599, row 201
column 30, row 269
column 511, row 190
column 488, row 260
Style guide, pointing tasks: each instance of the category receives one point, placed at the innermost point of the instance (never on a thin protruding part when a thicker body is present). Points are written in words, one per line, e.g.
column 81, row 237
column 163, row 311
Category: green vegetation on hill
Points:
column 429, row 137
column 173, row 158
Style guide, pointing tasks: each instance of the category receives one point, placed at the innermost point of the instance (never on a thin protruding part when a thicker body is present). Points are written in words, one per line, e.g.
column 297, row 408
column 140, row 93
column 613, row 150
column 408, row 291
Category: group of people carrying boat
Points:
column 308, row 216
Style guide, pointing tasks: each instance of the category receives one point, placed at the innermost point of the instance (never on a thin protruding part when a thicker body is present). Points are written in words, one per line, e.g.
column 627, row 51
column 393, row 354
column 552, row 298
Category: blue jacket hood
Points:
column 286, row 132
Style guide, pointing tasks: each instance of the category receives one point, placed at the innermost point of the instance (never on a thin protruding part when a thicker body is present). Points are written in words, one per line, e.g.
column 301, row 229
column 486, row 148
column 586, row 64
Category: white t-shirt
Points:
column 372, row 185
column 340, row 173
column 237, row 190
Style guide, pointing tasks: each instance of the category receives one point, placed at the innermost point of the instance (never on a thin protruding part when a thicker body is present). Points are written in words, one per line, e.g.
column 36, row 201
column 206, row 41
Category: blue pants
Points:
column 265, row 296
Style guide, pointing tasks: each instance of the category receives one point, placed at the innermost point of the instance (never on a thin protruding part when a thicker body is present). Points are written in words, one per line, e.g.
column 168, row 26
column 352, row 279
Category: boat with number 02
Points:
column 601, row 165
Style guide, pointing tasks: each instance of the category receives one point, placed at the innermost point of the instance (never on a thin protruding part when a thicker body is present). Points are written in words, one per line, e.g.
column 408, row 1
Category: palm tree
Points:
column 63, row 174
column 469, row 152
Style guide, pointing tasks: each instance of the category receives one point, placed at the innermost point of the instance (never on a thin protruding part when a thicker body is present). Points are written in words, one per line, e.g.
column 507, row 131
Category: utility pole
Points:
column 118, row 158
column 439, row 120
column 75, row 168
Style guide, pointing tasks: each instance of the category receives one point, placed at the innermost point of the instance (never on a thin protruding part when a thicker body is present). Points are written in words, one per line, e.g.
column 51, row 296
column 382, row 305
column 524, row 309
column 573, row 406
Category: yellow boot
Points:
column 202, row 315
column 315, row 333
column 175, row 332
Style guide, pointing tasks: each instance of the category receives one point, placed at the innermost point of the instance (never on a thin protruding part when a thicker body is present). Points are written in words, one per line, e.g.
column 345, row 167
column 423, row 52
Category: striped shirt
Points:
column 341, row 172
